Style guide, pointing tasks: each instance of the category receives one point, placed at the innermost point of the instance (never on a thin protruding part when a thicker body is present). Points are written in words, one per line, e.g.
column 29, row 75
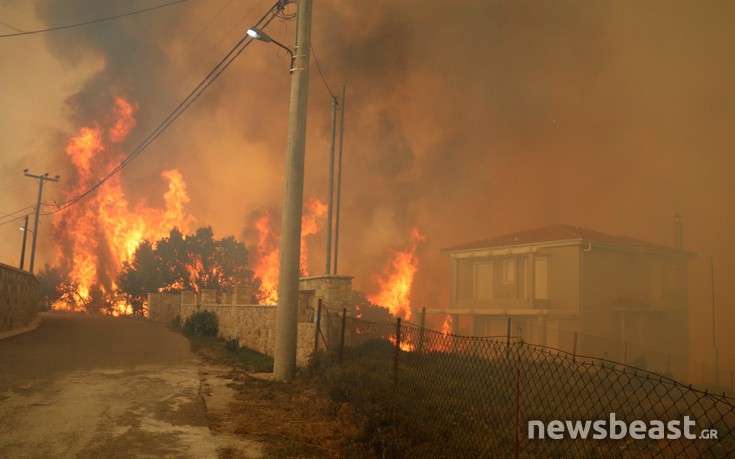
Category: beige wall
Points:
column 253, row 325
column 19, row 298
column 623, row 304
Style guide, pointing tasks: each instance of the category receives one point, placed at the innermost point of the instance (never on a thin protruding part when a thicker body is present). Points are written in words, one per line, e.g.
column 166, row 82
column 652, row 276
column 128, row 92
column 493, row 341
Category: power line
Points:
column 13, row 215
column 318, row 67
column 94, row 21
column 221, row 66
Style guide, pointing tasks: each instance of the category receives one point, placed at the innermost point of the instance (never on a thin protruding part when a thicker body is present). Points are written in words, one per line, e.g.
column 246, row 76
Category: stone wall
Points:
column 253, row 325
column 19, row 298
column 167, row 307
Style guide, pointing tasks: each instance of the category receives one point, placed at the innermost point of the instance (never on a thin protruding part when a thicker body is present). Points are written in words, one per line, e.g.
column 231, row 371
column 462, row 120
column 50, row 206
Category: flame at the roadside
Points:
column 405, row 346
column 266, row 259
column 267, row 249
column 397, row 278
column 95, row 237
column 311, row 223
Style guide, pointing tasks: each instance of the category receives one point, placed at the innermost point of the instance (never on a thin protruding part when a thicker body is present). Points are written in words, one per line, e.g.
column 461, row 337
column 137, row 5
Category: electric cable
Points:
column 94, row 21
column 319, row 68
column 221, row 66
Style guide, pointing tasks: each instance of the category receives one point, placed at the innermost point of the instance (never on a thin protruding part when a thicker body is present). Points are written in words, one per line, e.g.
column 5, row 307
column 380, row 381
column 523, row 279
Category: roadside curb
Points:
column 25, row 329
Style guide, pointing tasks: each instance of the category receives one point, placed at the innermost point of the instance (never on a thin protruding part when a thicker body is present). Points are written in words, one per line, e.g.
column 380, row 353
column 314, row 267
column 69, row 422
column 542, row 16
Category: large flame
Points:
column 97, row 235
column 311, row 223
column 265, row 267
column 267, row 252
column 397, row 278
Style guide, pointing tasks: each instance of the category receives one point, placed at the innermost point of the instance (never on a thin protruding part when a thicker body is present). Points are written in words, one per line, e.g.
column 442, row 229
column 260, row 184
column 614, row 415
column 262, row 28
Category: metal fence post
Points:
column 507, row 342
column 342, row 335
column 318, row 323
column 574, row 348
column 518, row 408
column 421, row 330
column 395, row 379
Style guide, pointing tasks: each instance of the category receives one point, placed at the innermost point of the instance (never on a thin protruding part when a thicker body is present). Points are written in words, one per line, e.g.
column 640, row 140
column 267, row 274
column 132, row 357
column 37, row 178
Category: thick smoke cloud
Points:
column 466, row 119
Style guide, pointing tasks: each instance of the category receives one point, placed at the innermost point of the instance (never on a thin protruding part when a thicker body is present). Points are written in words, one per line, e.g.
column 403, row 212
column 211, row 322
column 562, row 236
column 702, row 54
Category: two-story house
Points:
column 578, row 290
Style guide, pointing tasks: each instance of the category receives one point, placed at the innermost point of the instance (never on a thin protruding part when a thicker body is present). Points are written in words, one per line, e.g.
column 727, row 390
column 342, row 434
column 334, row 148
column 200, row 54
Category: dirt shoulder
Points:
column 290, row 420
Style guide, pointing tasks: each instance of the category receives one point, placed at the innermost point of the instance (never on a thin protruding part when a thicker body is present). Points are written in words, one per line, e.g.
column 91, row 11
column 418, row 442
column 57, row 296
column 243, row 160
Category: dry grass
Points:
column 293, row 420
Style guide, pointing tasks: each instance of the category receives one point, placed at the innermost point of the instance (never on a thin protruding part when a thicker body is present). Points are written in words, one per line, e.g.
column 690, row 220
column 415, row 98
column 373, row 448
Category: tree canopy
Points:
column 178, row 262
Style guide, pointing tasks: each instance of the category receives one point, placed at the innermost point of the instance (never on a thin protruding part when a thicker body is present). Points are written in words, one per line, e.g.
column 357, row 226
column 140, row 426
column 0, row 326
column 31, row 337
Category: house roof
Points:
column 556, row 233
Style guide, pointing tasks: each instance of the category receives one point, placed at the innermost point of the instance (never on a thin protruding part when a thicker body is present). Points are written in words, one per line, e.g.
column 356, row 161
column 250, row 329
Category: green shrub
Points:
column 232, row 345
column 201, row 323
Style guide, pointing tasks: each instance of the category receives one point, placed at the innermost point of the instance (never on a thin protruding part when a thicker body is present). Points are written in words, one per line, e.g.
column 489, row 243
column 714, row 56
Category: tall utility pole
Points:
column 330, row 206
column 339, row 181
column 284, row 361
column 41, row 179
column 23, row 248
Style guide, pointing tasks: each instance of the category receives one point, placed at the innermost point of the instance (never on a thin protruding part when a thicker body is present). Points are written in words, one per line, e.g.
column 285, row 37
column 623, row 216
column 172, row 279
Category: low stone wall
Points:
column 252, row 325
column 19, row 298
column 167, row 307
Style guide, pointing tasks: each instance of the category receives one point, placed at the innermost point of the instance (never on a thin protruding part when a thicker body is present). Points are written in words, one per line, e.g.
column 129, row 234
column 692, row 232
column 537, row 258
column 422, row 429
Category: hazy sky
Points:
column 465, row 118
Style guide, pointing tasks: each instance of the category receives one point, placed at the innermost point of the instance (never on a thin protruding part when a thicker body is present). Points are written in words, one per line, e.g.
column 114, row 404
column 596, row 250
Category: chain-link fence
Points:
column 423, row 393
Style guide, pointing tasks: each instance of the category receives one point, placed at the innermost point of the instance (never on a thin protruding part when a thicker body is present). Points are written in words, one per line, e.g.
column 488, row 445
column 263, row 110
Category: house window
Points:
column 672, row 278
column 655, row 282
column 509, row 271
column 483, row 281
column 541, row 278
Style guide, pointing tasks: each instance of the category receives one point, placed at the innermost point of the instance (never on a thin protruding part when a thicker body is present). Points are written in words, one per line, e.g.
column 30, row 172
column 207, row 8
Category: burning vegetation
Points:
column 267, row 247
column 94, row 239
column 111, row 253
column 397, row 278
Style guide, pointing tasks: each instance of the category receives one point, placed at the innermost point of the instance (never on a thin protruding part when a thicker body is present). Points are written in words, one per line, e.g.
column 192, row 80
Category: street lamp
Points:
column 257, row 34
column 284, row 355
column 25, row 230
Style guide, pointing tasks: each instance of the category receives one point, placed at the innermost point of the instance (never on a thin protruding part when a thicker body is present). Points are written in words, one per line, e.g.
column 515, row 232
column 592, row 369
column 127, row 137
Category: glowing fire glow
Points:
column 267, row 251
column 397, row 279
column 94, row 238
column 266, row 254
column 405, row 346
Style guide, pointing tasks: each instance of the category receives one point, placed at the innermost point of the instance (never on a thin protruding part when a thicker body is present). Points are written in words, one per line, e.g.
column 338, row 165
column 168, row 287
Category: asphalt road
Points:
column 100, row 387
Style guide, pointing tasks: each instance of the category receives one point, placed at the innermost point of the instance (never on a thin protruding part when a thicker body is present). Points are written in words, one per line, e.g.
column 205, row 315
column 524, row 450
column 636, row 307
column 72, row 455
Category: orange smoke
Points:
column 95, row 237
column 267, row 252
column 397, row 278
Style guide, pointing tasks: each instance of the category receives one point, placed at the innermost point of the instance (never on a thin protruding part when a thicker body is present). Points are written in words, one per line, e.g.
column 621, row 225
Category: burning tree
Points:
column 177, row 262
column 396, row 281
column 95, row 239
column 267, row 251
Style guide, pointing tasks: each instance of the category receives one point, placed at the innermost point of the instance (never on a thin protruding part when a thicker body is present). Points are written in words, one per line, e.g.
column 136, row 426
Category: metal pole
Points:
column 342, row 335
column 339, row 179
column 331, row 188
column 23, row 249
column 712, row 271
column 284, row 360
column 421, row 330
column 318, row 323
column 507, row 342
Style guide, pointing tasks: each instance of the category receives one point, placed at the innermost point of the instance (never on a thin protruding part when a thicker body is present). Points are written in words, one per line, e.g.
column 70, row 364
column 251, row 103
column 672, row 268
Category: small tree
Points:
column 179, row 262
column 50, row 279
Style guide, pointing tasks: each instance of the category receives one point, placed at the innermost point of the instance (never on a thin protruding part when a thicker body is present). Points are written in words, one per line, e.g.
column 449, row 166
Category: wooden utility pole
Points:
column 41, row 179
